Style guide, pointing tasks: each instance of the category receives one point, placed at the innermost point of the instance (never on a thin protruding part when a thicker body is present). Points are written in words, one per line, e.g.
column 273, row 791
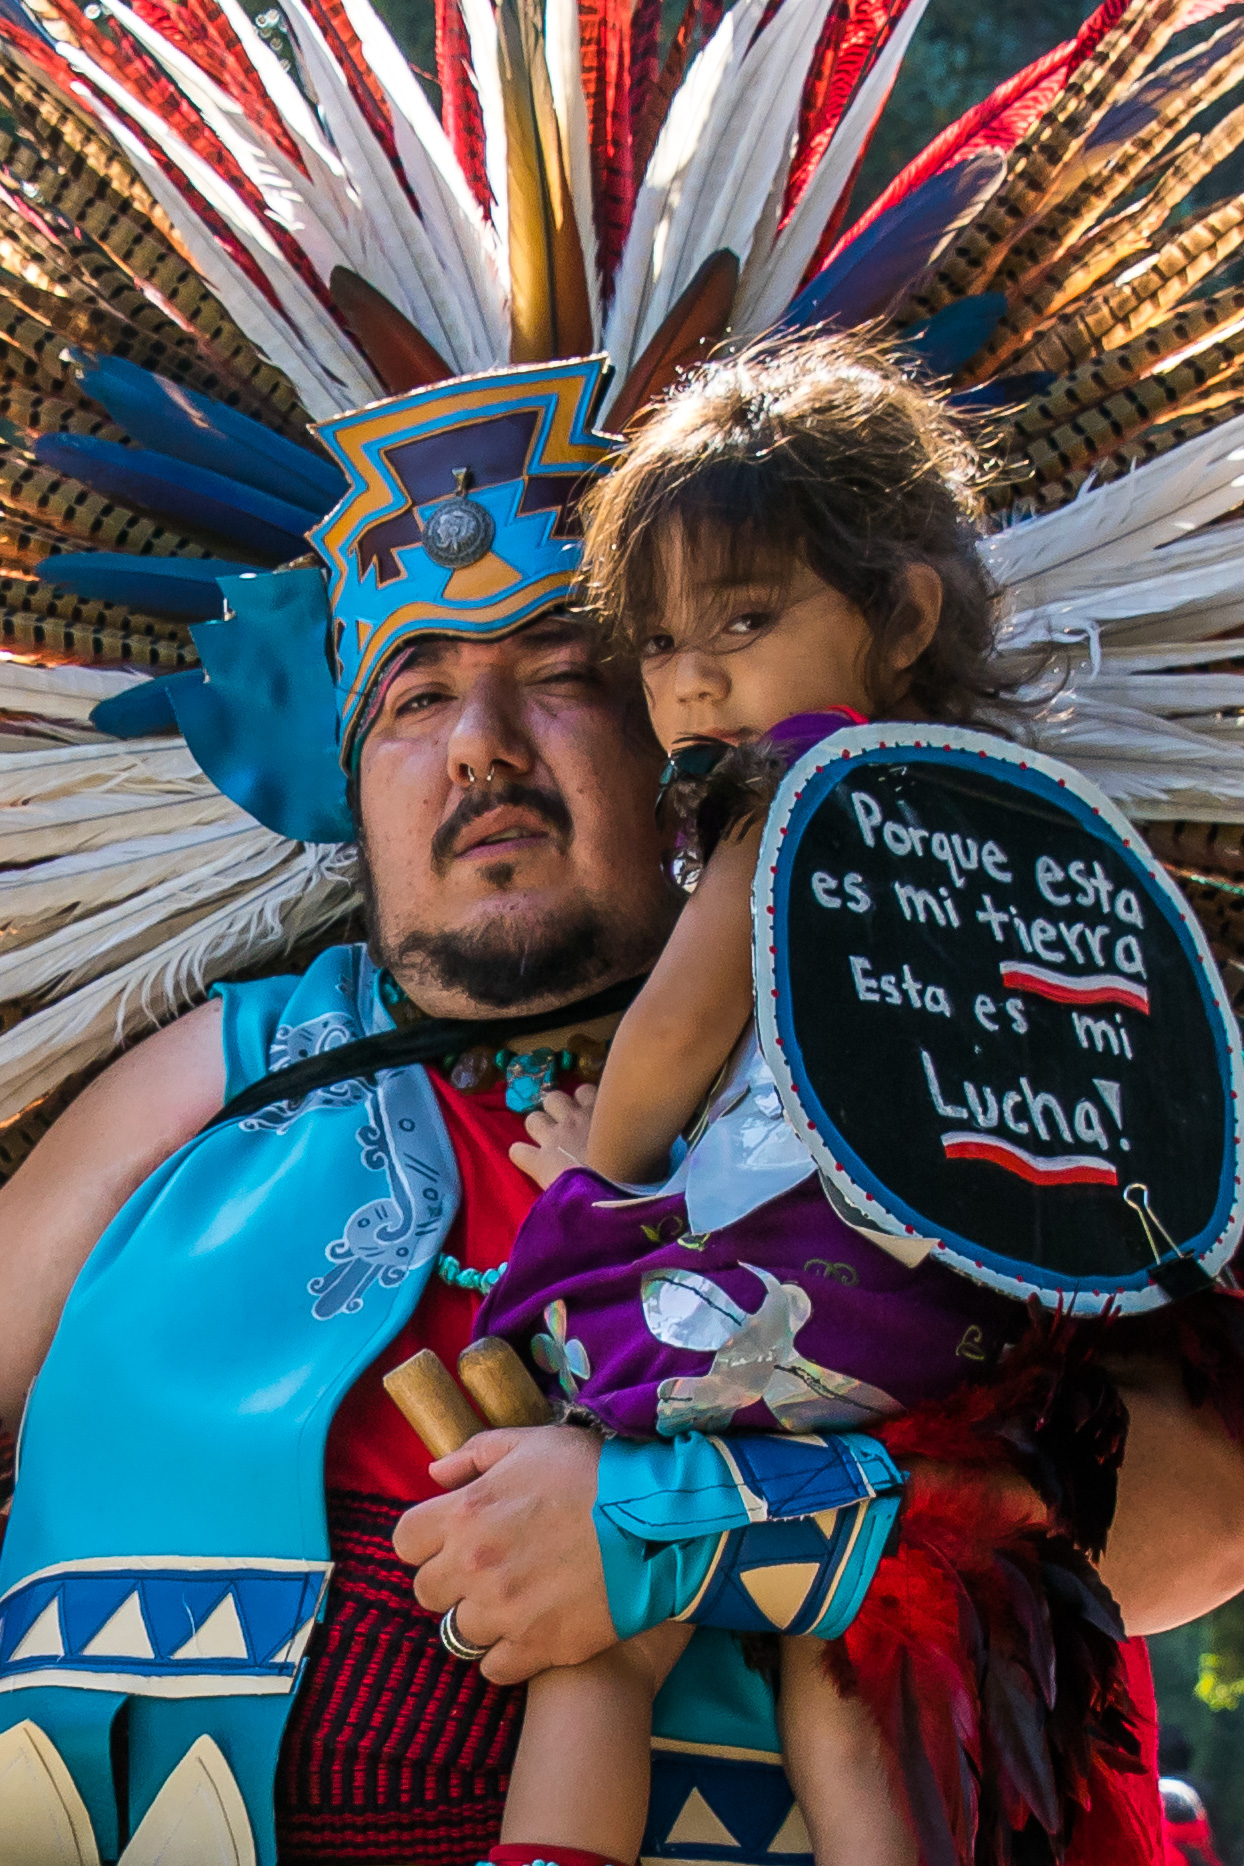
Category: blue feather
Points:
column 1003, row 392
column 871, row 272
column 140, row 711
column 188, row 495
column 175, row 586
column 955, row 333
column 162, row 415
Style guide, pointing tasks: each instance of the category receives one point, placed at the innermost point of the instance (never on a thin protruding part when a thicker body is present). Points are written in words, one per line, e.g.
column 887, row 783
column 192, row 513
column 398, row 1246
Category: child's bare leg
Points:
column 837, row 1767
column 582, row 1774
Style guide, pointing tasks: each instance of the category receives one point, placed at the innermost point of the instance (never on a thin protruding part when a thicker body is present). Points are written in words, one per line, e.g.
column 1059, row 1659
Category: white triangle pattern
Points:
column 220, row 1636
column 124, row 1635
column 697, row 1825
column 294, row 1647
column 43, row 1639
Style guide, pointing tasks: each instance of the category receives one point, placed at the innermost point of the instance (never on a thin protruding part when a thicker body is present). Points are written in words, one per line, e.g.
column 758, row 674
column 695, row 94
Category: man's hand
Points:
column 515, row 1549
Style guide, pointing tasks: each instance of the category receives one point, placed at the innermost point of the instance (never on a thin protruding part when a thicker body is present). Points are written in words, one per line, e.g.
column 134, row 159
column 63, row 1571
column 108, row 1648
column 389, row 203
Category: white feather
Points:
column 64, row 692
column 464, row 241
column 1153, row 769
column 684, row 134
column 1115, row 528
column 563, row 53
column 93, row 943
column 725, row 191
column 776, row 283
column 394, row 250
column 39, row 899
column 308, row 893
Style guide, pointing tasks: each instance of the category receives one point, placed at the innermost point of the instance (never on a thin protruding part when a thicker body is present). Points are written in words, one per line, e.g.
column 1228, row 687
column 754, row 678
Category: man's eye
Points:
column 575, row 670
column 418, row 702
column 656, row 645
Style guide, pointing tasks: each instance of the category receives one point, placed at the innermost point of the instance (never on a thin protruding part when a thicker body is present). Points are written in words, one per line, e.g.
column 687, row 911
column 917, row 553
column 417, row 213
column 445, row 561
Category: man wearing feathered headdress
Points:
column 205, row 1629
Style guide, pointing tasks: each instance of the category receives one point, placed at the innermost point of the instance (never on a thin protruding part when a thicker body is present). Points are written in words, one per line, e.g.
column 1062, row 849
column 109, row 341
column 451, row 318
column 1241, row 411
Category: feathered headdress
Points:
column 214, row 232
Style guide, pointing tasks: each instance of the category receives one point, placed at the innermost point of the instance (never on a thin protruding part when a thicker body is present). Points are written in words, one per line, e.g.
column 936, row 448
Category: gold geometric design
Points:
column 474, row 582
column 792, row 1836
column 698, row 1826
column 197, row 1819
column 781, row 1591
column 43, row 1819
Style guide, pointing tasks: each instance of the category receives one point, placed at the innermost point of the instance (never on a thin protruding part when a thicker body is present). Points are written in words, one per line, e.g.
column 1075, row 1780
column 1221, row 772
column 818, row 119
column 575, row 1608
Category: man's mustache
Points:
column 481, row 799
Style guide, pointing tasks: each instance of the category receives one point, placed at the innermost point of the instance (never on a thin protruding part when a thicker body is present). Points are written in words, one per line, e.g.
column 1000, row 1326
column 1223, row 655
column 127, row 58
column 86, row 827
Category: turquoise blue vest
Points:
column 167, row 1555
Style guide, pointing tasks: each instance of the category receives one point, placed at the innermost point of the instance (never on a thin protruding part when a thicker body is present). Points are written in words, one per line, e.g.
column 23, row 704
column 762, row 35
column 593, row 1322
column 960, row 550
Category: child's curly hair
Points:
column 816, row 450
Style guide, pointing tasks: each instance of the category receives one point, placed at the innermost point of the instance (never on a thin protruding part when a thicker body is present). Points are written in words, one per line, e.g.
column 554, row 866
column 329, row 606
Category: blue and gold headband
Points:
column 458, row 519
column 459, row 514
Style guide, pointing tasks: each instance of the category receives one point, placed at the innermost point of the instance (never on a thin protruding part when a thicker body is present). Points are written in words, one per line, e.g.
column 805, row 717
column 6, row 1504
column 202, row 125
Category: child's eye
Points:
column 657, row 644
column 749, row 624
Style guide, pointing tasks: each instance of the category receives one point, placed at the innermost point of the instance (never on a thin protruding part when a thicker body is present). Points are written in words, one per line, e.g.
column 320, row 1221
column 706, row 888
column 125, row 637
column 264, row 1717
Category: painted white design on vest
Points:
column 124, row 1635
column 198, row 1815
column 294, row 1043
column 219, row 1637
column 43, row 1818
column 43, row 1639
column 291, row 1652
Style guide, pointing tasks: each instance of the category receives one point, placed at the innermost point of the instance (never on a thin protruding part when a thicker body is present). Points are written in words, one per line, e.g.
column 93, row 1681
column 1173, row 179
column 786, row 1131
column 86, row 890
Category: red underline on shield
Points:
column 1103, row 988
column 1066, row 1169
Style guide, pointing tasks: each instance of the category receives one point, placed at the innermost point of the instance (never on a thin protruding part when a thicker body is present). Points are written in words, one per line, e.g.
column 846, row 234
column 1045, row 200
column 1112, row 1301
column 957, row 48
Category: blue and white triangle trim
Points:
column 170, row 1626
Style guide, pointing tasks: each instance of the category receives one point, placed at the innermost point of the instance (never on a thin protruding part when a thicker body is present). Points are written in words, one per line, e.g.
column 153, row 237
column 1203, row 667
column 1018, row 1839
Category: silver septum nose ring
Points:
column 455, row 1645
column 470, row 771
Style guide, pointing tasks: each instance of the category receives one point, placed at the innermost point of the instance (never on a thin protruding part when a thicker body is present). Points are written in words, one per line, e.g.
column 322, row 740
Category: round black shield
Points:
column 995, row 1021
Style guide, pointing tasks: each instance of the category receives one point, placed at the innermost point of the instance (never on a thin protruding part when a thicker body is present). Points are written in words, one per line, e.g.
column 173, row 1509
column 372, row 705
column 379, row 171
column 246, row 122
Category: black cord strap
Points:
column 424, row 1042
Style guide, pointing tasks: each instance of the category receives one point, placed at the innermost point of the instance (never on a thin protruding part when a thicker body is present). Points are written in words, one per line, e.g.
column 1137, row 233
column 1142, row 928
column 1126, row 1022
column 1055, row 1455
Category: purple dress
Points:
column 785, row 1318
column 735, row 1298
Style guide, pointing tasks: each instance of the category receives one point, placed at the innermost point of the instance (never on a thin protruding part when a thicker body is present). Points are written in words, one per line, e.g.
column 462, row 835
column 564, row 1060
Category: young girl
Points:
column 789, row 546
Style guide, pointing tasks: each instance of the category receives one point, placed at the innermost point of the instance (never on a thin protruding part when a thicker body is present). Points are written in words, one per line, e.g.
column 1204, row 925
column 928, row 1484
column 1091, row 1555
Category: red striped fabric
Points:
column 394, row 1750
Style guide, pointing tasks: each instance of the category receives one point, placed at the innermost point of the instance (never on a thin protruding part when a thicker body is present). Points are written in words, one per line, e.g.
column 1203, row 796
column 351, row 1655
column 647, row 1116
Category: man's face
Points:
column 540, row 881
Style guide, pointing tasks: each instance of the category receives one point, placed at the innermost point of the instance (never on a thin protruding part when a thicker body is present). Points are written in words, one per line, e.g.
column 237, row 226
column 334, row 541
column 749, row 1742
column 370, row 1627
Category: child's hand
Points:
column 559, row 1128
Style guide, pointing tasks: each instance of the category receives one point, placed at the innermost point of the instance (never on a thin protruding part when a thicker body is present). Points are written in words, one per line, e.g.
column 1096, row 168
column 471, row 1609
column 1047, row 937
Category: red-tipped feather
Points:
column 343, row 42
column 605, row 42
column 460, row 112
column 648, row 113
column 144, row 79
column 999, row 121
column 851, row 39
column 200, row 31
column 953, row 1653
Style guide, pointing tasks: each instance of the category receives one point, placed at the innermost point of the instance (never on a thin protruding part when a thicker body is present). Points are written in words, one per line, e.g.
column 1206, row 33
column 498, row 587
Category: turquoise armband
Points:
column 754, row 1534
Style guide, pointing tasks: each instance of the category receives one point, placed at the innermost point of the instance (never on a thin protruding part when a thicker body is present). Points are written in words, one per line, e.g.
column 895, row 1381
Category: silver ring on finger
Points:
column 455, row 1645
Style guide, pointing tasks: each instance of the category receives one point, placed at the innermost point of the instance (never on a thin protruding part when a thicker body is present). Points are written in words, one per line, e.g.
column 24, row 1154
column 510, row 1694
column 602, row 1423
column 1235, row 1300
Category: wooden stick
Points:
column 500, row 1385
column 429, row 1400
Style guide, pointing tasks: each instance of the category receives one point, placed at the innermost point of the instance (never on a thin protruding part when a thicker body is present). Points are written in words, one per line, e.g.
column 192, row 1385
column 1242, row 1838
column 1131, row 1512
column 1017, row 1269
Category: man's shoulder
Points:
column 272, row 1022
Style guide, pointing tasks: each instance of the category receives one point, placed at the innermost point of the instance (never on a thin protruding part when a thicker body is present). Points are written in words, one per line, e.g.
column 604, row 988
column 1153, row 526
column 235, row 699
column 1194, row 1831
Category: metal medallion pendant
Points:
column 460, row 531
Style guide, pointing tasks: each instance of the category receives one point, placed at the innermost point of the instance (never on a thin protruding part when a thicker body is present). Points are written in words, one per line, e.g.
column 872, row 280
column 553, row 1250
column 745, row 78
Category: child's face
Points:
column 728, row 661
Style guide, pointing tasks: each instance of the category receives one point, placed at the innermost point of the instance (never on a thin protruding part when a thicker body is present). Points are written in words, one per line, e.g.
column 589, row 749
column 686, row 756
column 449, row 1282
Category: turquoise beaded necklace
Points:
column 479, row 1282
column 528, row 1076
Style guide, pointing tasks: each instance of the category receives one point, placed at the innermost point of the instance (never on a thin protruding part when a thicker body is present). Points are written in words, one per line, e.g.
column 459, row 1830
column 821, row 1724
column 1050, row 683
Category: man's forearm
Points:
column 1176, row 1548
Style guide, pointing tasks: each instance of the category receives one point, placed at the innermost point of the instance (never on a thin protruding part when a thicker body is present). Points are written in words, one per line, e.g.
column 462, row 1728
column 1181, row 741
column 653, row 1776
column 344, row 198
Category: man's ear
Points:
column 924, row 596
